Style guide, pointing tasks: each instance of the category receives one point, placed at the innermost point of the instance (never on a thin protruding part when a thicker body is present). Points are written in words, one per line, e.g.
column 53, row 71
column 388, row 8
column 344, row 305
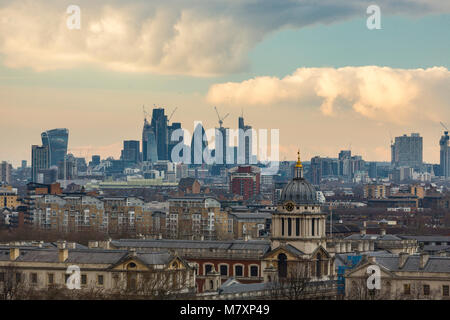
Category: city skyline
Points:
column 86, row 88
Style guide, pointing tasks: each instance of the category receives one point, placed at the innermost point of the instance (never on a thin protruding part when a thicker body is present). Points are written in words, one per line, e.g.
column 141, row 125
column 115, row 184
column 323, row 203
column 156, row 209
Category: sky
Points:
column 311, row 69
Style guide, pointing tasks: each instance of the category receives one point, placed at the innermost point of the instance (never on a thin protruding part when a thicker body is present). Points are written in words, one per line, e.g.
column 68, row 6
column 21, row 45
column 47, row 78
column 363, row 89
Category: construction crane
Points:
column 145, row 112
column 221, row 119
column 171, row 115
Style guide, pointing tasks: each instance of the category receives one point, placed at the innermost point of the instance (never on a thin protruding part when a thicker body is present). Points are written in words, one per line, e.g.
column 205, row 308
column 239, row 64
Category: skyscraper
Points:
column 40, row 159
column 5, row 172
column 245, row 138
column 131, row 151
column 56, row 140
column 198, row 145
column 407, row 151
column 445, row 155
column 159, row 125
column 172, row 144
column 149, row 147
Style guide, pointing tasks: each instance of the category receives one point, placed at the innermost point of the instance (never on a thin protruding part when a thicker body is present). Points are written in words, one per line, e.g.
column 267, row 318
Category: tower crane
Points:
column 221, row 119
column 171, row 115
column 145, row 112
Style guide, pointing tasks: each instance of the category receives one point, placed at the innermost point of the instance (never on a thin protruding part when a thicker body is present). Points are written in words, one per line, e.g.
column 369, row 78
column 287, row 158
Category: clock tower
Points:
column 299, row 220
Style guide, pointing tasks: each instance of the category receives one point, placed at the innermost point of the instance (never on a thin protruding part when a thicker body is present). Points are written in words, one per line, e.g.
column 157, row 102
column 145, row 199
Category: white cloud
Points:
column 380, row 93
column 197, row 37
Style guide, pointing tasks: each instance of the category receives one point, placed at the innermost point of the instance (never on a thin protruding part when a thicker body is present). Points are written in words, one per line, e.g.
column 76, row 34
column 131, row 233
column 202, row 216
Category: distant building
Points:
column 445, row 155
column 40, row 159
column 131, row 152
column 245, row 181
column 407, row 151
column 56, row 140
column 245, row 141
column 189, row 186
column 5, row 172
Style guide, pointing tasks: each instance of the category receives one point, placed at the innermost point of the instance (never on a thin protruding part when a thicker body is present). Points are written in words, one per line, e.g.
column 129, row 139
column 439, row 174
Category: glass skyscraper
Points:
column 56, row 140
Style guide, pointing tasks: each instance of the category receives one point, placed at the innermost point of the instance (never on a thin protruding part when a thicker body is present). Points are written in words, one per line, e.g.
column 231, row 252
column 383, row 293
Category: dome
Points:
column 299, row 191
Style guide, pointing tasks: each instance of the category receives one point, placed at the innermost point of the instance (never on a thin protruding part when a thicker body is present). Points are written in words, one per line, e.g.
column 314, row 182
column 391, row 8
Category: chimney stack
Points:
column 402, row 257
column 63, row 252
column 14, row 253
column 423, row 259
column 383, row 232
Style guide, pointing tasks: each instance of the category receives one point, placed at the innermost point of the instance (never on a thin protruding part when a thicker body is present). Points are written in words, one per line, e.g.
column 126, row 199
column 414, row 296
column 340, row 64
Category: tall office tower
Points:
column 222, row 146
column 67, row 168
column 149, row 147
column 40, row 159
column 245, row 137
column 407, row 151
column 131, row 151
column 445, row 155
column 24, row 164
column 5, row 172
column 172, row 144
column 56, row 140
column 159, row 125
column 345, row 163
column 198, row 145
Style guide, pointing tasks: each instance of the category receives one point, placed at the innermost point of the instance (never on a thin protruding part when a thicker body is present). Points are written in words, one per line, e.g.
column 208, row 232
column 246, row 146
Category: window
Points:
column 313, row 226
column 238, row 271
column 445, row 291
column 224, row 270
column 282, row 226
column 34, row 278
column 51, row 278
column 297, row 226
column 208, row 268
column 253, row 271
column 66, row 277
column 289, row 226
column 83, row 279
column 100, row 279
column 406, row 288
column 426, row 289
column 18, row 277
column 2, row 276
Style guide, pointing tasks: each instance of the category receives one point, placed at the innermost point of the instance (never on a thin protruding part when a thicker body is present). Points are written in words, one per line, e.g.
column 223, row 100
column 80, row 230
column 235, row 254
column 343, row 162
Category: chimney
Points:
column 371, row 259
column 423, row 259
column 402, row 257
column 61, row 244
column 246, row 237
column 63, row 254
column 383, row 232
column 160, row 236
column 133, row 252
column 14, row 253
column 92, row 244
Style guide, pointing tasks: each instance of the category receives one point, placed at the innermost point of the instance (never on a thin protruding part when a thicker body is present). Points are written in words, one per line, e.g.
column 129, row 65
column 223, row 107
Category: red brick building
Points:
column 245, row 181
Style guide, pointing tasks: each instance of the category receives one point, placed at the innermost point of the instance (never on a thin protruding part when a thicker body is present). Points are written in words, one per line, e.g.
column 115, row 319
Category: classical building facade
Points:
column 102, row 271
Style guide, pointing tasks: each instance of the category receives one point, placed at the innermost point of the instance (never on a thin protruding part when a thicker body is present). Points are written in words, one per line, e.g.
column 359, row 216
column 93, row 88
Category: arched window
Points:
column 282, row 265
column 238, row 271
column 208, row 268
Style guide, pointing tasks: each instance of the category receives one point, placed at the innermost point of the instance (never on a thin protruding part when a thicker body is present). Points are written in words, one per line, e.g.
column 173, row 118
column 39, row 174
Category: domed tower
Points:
column 298, row 220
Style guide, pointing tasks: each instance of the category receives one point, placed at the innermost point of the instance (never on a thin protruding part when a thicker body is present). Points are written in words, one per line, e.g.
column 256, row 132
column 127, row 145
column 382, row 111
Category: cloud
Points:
column 198, row 37
column 380, row 93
